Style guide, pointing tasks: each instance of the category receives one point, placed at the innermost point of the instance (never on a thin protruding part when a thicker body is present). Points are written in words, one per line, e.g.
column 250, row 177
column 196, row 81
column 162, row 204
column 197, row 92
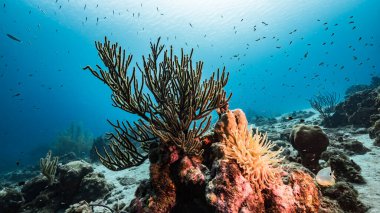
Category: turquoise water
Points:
column 278, row 53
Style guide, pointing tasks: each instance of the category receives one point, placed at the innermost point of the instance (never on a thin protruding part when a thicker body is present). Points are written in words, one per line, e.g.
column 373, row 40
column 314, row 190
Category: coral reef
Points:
column 193, row 169
column 74, row 139
column 76, row 181
column 310, row 142
column 224, row 185
column 361, row 108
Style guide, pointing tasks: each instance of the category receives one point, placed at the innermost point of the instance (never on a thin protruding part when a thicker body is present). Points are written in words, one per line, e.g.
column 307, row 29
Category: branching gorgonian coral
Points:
column 48, row 166
column 173, row 104
column 254, row 156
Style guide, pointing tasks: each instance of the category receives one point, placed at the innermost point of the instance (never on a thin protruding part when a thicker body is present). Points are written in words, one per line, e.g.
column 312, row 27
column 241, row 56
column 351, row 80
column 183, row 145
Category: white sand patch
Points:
column 369, row 193
column 122, row 193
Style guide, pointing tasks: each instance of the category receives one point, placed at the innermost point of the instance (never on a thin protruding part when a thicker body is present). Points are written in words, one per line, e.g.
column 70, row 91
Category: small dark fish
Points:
column 289, row 118
column 17, row 163
column 306, row 54
column 351, row 16
column 351, row 22
column 302, row 120
column 13, row 38
column 354, row 58
column 16, row 95
column 190, row 25
column 21, row 183
column 353, row 27
column 264, row 23
column 360, row 38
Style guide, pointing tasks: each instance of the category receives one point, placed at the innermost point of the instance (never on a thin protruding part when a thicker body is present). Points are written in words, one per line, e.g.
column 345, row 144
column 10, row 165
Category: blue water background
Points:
column 43, row 88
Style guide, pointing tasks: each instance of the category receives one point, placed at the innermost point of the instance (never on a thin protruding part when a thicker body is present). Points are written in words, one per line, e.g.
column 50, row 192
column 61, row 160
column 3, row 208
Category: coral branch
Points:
column 169, row 99
column 48, row 166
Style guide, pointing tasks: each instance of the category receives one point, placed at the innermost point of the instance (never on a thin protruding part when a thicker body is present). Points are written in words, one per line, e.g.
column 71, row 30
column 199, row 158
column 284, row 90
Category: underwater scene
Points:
column 181, row 106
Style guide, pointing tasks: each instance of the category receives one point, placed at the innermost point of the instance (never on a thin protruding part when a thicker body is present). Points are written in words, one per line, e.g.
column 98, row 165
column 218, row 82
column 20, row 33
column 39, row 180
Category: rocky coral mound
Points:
column 361, row 108
column 75, row 181
column 215, row 182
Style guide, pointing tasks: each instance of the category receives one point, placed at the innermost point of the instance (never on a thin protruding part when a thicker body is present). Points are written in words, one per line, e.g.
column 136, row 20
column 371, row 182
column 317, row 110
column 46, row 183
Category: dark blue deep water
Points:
column 278, row 53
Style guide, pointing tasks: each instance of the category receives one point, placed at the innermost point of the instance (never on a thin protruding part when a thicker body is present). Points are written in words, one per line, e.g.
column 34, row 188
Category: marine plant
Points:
column 172, row 101
column 325, row 104
column 253, row 153
column 48, row 166
column 73, row 139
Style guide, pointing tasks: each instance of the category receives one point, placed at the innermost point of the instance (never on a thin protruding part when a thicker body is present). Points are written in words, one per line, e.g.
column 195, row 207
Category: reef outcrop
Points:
column 75, row 181
column 361, row 108
column 225, row 185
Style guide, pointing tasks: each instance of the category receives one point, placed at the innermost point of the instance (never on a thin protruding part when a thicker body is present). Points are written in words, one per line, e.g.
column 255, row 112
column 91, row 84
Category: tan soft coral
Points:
column 252, row 152
column 254, row 156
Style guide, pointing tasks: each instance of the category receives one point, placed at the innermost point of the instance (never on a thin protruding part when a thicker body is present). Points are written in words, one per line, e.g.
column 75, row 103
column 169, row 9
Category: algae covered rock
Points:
column 93, row 186
column 347, row 197
column 76, row 181
column 11, row 200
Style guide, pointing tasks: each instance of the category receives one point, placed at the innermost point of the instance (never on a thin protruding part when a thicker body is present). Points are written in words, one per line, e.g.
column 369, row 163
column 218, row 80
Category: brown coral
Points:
column 173, row 104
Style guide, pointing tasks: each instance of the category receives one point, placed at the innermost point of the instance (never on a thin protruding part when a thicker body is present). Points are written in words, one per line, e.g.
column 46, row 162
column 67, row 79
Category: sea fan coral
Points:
column 254, row 156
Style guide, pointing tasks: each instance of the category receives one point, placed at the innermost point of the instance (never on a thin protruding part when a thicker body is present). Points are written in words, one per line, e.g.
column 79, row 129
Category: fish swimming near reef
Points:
column 13, row 38
column 325, row 177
